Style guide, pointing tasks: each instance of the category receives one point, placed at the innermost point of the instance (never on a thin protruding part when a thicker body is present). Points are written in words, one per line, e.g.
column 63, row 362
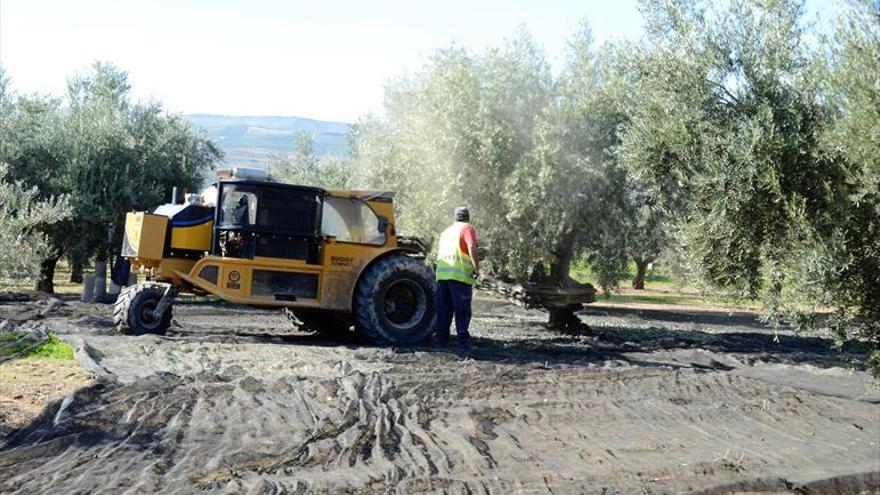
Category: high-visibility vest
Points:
column 452, row 262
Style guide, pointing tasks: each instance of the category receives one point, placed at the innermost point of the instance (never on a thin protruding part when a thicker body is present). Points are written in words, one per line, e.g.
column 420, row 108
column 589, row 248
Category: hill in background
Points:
column 251, row 141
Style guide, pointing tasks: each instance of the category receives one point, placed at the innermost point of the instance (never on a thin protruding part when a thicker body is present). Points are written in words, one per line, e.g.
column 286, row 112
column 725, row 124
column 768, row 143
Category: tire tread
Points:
column 124, row 319
column 368, row 321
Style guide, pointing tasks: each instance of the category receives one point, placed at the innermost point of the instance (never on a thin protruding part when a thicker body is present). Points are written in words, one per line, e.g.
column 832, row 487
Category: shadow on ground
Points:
column 674, row 315
column 603, row 343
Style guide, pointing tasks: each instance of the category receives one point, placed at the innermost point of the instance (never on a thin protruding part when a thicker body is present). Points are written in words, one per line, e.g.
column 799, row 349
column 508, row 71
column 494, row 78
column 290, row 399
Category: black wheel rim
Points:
column 146, row 315
column 404, row 304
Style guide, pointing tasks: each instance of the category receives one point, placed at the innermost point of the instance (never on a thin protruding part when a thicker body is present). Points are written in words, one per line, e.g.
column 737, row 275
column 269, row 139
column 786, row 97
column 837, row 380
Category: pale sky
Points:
column 325, row 60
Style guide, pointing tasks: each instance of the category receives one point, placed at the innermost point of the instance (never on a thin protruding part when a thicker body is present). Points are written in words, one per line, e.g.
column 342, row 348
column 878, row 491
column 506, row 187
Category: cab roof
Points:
column 276, row 185
column 364, row 194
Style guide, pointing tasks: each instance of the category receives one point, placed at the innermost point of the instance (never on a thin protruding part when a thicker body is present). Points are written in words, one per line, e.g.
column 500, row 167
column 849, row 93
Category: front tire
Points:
column 394, row 301
column 132, row 313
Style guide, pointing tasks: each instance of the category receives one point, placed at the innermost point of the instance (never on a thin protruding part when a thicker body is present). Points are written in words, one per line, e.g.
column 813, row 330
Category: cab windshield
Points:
column 239, row 207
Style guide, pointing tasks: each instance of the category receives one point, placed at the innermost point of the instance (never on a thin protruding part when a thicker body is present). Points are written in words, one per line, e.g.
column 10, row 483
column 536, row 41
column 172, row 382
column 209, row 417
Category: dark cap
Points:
column 462, row 214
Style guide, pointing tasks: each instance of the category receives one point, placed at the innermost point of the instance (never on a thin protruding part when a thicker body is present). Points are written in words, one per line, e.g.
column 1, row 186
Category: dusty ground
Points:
column 650, row 402
column 27, row 385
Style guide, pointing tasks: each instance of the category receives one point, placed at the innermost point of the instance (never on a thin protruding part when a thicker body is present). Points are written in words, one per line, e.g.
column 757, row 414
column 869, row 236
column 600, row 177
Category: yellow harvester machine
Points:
column 331, row 257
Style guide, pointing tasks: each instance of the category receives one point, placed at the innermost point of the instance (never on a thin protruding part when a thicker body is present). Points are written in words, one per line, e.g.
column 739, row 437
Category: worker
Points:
column 237, row 244
column 458, row 268
column 241, row 216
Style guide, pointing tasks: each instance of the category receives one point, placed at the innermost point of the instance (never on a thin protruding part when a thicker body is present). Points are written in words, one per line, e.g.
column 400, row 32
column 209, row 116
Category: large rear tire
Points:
column 132, row 313
column 394, row 301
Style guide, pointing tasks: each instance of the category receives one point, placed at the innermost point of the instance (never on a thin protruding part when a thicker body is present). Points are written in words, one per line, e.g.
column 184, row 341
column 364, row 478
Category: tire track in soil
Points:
column 246, row 414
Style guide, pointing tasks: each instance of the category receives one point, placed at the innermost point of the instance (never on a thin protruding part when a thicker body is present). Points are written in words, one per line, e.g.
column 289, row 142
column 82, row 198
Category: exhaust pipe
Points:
column 175, row 196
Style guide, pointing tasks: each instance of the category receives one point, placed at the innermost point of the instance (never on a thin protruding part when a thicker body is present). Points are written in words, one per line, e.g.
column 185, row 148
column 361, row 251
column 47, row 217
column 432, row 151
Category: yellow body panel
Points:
column 167, row 269
column 234, row 281
column 343, row 263
column 145, row 235
column 196, row 237
column 337, row 275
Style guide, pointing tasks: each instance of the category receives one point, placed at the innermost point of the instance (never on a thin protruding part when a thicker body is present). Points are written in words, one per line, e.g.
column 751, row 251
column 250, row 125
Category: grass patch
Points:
column 681, row 299
column 16, row 344
column 62, row 282
column 654, row 298
column 661, row 288
column 662, row 284
column 10, row 337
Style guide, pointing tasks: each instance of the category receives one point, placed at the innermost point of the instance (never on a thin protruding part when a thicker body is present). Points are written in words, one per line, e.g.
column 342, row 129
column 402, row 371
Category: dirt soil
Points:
column 27, row 385
column 234, row 401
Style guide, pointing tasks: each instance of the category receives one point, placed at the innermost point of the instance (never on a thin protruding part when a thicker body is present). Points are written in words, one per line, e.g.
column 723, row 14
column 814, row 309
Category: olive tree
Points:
column 455, row 133
column 304, row 167
column 106, row 153
column 571, row 191
column 845, row 257
column 731, row 133
column 34, row 147
column 529, row 152
column 647, row 237
column 23, row 214
column 118, row 156
column 727, row 132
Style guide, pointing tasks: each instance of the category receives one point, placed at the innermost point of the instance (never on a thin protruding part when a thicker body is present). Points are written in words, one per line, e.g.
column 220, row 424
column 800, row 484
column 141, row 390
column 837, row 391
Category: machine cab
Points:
column 268, row 220
column 273, row 220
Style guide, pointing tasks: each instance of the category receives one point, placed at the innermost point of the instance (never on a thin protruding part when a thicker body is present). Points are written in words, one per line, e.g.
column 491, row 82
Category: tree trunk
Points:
column 560, row 269
column 46, row 283
column 76, row 268
column 641, row 267
column 564, row 318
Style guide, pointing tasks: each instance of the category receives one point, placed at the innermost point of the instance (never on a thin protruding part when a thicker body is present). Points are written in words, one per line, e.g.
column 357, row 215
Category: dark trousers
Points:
column 453, row 297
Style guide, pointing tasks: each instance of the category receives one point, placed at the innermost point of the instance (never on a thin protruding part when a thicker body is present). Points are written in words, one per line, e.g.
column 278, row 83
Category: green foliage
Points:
column 527, row 152
column 32, row 140
column 453, row 134
column 646, row 224
column 105, row 153
column 22, row 216
column 727, row 133
column 852, row 80
column 306, row 168
column 124, row 156
column 766, row 160
column 847, row 252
